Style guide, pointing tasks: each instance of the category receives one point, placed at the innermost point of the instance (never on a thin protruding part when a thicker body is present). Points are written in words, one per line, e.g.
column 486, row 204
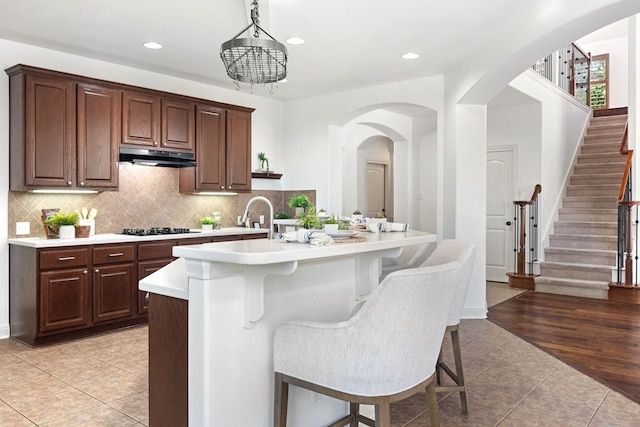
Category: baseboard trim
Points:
column 4, row 331
column 474, row 313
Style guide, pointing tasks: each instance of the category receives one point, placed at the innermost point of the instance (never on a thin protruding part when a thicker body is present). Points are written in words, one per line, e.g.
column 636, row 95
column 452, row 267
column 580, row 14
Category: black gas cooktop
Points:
column 155, row 231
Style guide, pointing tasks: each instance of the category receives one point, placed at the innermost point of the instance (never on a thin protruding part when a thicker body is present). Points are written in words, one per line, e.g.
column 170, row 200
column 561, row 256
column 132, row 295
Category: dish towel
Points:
column 307, row 236
column 387, row 226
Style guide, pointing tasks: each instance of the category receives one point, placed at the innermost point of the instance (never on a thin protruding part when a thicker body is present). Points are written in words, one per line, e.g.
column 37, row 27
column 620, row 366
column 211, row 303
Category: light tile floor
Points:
column 103, row 381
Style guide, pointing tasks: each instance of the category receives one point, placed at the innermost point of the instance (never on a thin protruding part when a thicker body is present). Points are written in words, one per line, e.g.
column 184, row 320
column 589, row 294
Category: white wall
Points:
column 267, row 132
column 550, row 139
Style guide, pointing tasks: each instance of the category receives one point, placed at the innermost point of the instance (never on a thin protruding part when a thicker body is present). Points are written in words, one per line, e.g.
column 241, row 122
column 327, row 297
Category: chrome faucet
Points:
column 245, row 216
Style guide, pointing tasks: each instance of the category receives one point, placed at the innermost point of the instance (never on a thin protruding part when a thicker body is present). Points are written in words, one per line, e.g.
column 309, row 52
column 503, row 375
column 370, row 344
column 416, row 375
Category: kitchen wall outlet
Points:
column 261, row 219
column 22, row 228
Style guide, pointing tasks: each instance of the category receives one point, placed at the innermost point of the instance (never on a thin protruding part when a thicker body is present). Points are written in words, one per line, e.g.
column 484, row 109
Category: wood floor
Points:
column 599, row 338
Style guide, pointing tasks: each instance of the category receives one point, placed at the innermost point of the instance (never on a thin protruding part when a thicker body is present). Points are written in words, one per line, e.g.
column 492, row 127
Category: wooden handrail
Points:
column 625, row 176
column 624, row 147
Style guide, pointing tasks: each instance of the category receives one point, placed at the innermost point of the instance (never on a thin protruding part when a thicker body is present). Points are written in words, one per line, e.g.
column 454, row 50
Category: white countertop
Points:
column 99, row 239
column 264, row 251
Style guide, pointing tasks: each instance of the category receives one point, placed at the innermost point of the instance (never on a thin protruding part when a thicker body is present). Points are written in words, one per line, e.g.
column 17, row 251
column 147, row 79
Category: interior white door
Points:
column 500, row 178
column 376, row 176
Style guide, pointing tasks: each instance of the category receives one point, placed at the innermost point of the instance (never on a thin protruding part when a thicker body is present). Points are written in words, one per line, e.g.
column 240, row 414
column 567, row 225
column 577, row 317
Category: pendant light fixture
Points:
column 254, row 59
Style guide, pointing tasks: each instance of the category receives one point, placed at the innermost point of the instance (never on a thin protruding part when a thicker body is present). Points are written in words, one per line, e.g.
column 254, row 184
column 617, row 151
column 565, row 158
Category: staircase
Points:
column 582, row 248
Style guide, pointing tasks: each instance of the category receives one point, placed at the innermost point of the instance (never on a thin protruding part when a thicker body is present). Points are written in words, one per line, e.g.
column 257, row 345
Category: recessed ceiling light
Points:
column 153, row 45
column 410, row 55
column 295, row 40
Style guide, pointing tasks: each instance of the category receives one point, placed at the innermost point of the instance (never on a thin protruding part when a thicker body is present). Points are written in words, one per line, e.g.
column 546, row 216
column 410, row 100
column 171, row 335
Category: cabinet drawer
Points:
column 156, row 250
column 63, row 258
column 113, row 254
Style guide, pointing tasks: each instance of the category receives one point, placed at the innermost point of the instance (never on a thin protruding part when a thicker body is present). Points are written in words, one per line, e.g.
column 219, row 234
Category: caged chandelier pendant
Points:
column 254, row 59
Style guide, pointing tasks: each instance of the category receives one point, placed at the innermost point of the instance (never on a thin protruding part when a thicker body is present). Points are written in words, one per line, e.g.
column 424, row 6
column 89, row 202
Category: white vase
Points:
column 299, row 212
column 331, row 228
column 207, row 226
column 67, row 232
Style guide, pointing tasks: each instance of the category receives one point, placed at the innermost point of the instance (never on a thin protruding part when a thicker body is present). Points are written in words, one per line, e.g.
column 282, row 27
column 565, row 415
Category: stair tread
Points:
column 584, row 236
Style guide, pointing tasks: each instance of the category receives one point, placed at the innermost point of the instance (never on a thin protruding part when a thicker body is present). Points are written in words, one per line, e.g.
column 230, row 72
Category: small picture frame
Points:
column 256, row 224
column 50, row 232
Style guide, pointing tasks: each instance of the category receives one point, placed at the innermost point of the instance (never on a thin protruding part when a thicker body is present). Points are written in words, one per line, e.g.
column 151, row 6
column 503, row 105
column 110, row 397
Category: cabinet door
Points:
column 145, row 268
column 238, row 172
column 98, row 131
column 113, row 292
column 178, row 125
column 64, row 300
column 209, row 174
column 49, row 132
column 140, row 119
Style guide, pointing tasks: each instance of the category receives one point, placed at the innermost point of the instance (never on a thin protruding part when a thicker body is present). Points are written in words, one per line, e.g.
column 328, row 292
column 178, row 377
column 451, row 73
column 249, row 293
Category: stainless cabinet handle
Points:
column 116, row 254
column 66, row 258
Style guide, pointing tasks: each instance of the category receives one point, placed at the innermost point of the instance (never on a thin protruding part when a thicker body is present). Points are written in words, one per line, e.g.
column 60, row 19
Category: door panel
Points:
column 499, row 212
column 375, row 189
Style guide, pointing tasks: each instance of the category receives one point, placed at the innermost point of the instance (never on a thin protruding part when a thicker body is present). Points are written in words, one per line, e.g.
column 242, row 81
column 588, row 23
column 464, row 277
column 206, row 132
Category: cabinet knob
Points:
column 85, row 272
column 82, row 184
column 222, row 187
column 155, row 143
column 69, row 182
column 97, row 270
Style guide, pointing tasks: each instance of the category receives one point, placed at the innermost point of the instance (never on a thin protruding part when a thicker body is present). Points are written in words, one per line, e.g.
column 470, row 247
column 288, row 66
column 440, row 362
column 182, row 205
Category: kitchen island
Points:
column 230, row 297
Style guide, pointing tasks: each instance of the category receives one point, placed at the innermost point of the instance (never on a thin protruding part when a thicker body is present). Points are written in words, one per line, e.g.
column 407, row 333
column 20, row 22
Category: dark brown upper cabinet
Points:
column 223, row 151
column 62, row 134
column 155, row 122
column 98, row 135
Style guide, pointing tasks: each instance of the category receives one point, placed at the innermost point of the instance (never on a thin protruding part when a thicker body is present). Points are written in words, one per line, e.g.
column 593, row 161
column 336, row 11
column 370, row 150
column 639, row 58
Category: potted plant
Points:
column 65, row 223
column 331, row 225
column 207, row 222
column 357, row 216
column 300, row 203
column 310, row 220
column 263, row 160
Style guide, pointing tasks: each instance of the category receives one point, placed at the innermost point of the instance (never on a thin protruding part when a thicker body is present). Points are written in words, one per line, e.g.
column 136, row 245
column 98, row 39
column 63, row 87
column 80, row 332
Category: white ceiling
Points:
column 349, row 43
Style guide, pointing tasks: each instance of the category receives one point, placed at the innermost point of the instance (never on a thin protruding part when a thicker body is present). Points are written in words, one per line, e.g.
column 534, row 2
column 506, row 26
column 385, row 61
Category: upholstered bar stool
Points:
column 411, row 257
column 385, row 352
column 464, row 253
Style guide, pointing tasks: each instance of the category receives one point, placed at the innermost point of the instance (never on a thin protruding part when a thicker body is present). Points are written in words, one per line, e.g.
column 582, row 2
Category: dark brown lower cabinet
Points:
column 113, row 287
column 64, row 300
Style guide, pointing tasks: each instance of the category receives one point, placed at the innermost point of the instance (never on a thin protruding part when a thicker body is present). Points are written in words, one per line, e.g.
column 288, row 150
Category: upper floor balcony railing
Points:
column 569, row 68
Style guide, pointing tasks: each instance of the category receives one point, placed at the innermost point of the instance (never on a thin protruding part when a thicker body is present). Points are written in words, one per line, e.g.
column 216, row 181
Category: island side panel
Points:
column 168, row 364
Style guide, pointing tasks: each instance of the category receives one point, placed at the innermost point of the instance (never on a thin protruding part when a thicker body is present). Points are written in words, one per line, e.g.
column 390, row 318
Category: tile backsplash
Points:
column 147, row 197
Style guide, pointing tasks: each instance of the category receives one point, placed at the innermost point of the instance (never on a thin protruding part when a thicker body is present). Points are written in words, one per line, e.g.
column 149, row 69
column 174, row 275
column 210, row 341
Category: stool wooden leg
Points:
column 459, row 374
column 280, row 401
column 432, row 402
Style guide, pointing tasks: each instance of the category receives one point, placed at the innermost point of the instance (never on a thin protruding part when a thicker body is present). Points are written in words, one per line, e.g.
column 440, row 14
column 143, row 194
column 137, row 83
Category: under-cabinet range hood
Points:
column 157, row 158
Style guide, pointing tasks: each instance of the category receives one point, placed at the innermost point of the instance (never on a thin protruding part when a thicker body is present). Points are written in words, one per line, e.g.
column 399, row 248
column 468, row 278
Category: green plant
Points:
column 207, row 220
column 61, row 218
column 357, row 212
column 300, row 201
column 283, row 215
column 331, row 220
column 379, row 215
column 263, row 159
column 310, row 220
